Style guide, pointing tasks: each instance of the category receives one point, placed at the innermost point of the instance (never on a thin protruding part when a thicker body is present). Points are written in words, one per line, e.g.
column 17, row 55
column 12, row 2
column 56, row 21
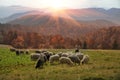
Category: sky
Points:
column 63, row 3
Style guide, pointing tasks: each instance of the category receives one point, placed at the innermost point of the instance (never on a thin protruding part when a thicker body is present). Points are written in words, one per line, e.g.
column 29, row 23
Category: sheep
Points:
column 77, row 50
column 12, row 49
column 21, row 51
column 48, row 54
column 39, row 63
column 85, row 59
column 17, row 52
column 27, row 51
column 80, row 55
column 75, row 59
column 35, row 56
column 60, row 53
column 43, row 51
column 64, row 55
column 70, row 53
column 65, row 60
column 38, row 51
column 43, row 57
column 54, row 58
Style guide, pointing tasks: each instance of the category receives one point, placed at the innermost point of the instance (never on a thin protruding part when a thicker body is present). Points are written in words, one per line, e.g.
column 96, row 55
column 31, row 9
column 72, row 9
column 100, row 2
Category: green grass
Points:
column 103, row 65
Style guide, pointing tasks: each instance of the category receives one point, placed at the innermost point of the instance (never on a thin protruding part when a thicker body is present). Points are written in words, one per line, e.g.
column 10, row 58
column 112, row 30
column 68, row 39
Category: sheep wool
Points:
column 80, row 55
column 34, row 56
column 54, row 58
column 85, row 59
column 66, row 60
column 75, row 59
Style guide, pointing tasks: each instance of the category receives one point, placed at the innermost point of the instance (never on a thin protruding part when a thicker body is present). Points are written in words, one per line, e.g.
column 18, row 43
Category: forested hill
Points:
column 24, row 37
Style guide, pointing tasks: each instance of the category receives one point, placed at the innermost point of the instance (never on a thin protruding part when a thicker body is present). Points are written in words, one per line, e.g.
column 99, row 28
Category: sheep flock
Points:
column 43, row 56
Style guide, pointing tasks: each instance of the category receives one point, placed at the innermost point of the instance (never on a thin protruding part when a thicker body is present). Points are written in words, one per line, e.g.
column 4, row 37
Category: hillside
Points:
column 85, row 14
column 112, row 14
column 60, row 25
column 4, row 10
column 104, row 38
column 36, row 37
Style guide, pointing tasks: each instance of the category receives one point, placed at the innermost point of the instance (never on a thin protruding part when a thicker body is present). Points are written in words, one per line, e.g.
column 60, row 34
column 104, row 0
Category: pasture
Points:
column 103, row 65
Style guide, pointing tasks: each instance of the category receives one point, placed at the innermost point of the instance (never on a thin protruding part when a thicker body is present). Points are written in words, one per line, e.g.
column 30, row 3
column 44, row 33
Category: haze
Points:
column 63, row 3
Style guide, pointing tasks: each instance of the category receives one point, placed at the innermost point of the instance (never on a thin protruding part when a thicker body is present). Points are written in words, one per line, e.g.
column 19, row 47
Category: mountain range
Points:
column 69, row 22
column 86, row 14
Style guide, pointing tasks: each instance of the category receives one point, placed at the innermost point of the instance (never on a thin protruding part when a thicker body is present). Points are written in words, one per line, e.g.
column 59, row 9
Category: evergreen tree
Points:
column 84, row 45
column 115, row 45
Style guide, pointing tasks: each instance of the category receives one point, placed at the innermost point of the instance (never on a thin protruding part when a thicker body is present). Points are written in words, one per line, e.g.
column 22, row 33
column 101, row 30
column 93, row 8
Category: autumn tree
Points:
column 18, row 42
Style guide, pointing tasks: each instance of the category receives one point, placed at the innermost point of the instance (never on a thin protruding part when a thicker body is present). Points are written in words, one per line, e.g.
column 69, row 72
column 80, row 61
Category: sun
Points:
column 54, row 4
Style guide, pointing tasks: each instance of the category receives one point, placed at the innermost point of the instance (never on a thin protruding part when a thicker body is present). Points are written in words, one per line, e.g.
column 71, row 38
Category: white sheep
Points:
column 66, row 60
column 54, row 58
column 35, row 56
column 64, row 55
column 43, row 57
column 60, row 53
column 85, row 59
column 80, row 55
column 75, row 59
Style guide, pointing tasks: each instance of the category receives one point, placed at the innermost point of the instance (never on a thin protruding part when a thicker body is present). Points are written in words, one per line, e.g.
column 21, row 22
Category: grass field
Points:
column 103, row 65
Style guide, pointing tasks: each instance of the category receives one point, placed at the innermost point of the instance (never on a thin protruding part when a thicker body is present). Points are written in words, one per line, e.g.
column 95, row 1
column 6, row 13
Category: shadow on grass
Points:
column 94, row 78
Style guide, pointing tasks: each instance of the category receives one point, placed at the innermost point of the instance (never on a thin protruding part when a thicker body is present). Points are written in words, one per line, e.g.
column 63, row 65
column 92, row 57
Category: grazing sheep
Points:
column 35, row 56
column 75, row 59
column 21, row 51
column 70, row 53
column 43, row 57
column 39, row 63
column 85, row 59
column 38, row 51
column 17, row 52
column 77, row 50
column 54, row 58
column 66, row 60
column 60, row 53
column 80, row 55
column 48, row 54
column 43, row 51
column 27, row 51
column 12, row 49
column 64, row 55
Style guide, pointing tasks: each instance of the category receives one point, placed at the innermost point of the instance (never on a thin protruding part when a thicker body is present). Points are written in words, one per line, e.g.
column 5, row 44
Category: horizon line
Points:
column 61, row 8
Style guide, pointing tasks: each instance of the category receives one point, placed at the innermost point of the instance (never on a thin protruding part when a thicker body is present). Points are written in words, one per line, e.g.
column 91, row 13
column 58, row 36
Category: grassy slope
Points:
column 104, row 64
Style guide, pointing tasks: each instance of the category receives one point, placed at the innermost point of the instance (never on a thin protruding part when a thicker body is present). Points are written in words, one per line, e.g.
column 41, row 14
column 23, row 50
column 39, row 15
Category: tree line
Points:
column 106, row 38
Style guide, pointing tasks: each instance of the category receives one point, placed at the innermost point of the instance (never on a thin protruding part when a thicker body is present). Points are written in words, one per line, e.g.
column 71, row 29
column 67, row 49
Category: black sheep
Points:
column 17, row 52
column 47, row 54
column 39, row 63
column 27, row 52
column 77, row 50
column 38, row 51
